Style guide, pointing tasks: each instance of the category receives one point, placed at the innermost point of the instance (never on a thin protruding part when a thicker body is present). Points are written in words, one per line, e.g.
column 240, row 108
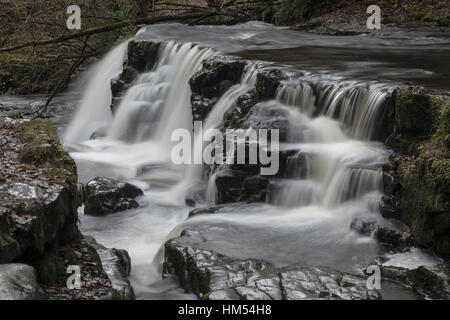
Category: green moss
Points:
column 441, row 137
column 424, row 202
column 444, row 21
column 44, row 149
column 415, row 114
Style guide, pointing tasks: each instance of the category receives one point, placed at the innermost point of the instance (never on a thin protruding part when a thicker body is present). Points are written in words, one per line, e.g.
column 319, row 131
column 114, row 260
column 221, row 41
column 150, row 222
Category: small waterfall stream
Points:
column 333, row 176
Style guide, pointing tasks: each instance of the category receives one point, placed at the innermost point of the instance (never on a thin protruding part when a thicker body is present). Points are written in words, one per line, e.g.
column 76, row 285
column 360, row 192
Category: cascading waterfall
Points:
column 330, row 179
column 213, row 121
column 356, row 106
column 328, row 169
column 159, row 102
column 94, row 111
column 300, row 95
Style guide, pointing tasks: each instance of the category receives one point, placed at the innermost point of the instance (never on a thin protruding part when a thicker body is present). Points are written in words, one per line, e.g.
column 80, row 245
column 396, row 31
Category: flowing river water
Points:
column 307, row 215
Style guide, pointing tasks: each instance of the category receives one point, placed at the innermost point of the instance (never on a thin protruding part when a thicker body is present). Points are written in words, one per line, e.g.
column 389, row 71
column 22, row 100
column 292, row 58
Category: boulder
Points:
column 103, row 196
column 18, row 282
column 391, row 239
column 117, row 266
column 364, row 227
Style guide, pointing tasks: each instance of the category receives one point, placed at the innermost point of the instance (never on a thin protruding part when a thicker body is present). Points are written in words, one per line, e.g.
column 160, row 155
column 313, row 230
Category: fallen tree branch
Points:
column 107, row 28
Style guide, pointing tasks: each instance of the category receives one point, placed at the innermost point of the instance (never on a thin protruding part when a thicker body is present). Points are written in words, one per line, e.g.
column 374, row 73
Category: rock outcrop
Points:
column 417, row 179
column 213, row 276
column 39, row 221
column 39, row 199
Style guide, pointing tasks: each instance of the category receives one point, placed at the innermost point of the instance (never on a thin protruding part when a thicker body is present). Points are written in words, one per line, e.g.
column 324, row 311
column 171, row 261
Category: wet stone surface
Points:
column 213, row 276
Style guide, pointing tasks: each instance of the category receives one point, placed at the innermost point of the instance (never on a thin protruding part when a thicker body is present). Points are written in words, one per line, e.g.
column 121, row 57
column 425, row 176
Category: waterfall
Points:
column 335, row 168
column 331, row 169
column 159, row 102
column 94, row 110
column 356, row 106
column 301, row 95
column 214, row 120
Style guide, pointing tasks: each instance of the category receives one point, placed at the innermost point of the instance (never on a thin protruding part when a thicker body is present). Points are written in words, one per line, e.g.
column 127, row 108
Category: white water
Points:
column 94, row 111
column 308, row 217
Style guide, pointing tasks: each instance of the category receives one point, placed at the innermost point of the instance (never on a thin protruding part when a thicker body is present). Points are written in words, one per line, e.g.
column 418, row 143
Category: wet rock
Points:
column 365, row 228
column 213, row 276
column 235, row 117
column 394, row 239
column 269, row 116
column 219, row 74
column 120, row 85
column 201, row 211
column 117, row 265
column 39, row 204
column 105, row 196
column 143, row 55
column 388, row 207
column 433, row 282
column 267, row 83
column 18, row 282
column 202, row 106
column 228, row 183
column 190, row 202
column 254, row 189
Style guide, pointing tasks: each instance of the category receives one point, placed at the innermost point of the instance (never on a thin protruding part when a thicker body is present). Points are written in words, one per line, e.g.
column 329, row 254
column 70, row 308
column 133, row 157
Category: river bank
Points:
column 39, row 235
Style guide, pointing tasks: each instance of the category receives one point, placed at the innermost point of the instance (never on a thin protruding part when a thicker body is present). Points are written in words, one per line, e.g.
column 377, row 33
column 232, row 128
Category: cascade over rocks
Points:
column 396, row 237
column 219, row 73
column 142, row 56
column 103, row 196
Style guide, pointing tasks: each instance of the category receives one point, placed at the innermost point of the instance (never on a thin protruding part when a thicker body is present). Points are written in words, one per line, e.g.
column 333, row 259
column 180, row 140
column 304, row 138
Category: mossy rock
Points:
column 441, row 137
column 414, row 114
column 424, row 202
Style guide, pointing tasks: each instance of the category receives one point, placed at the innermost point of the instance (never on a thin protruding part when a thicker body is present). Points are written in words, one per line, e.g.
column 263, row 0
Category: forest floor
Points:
column 395, row 13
